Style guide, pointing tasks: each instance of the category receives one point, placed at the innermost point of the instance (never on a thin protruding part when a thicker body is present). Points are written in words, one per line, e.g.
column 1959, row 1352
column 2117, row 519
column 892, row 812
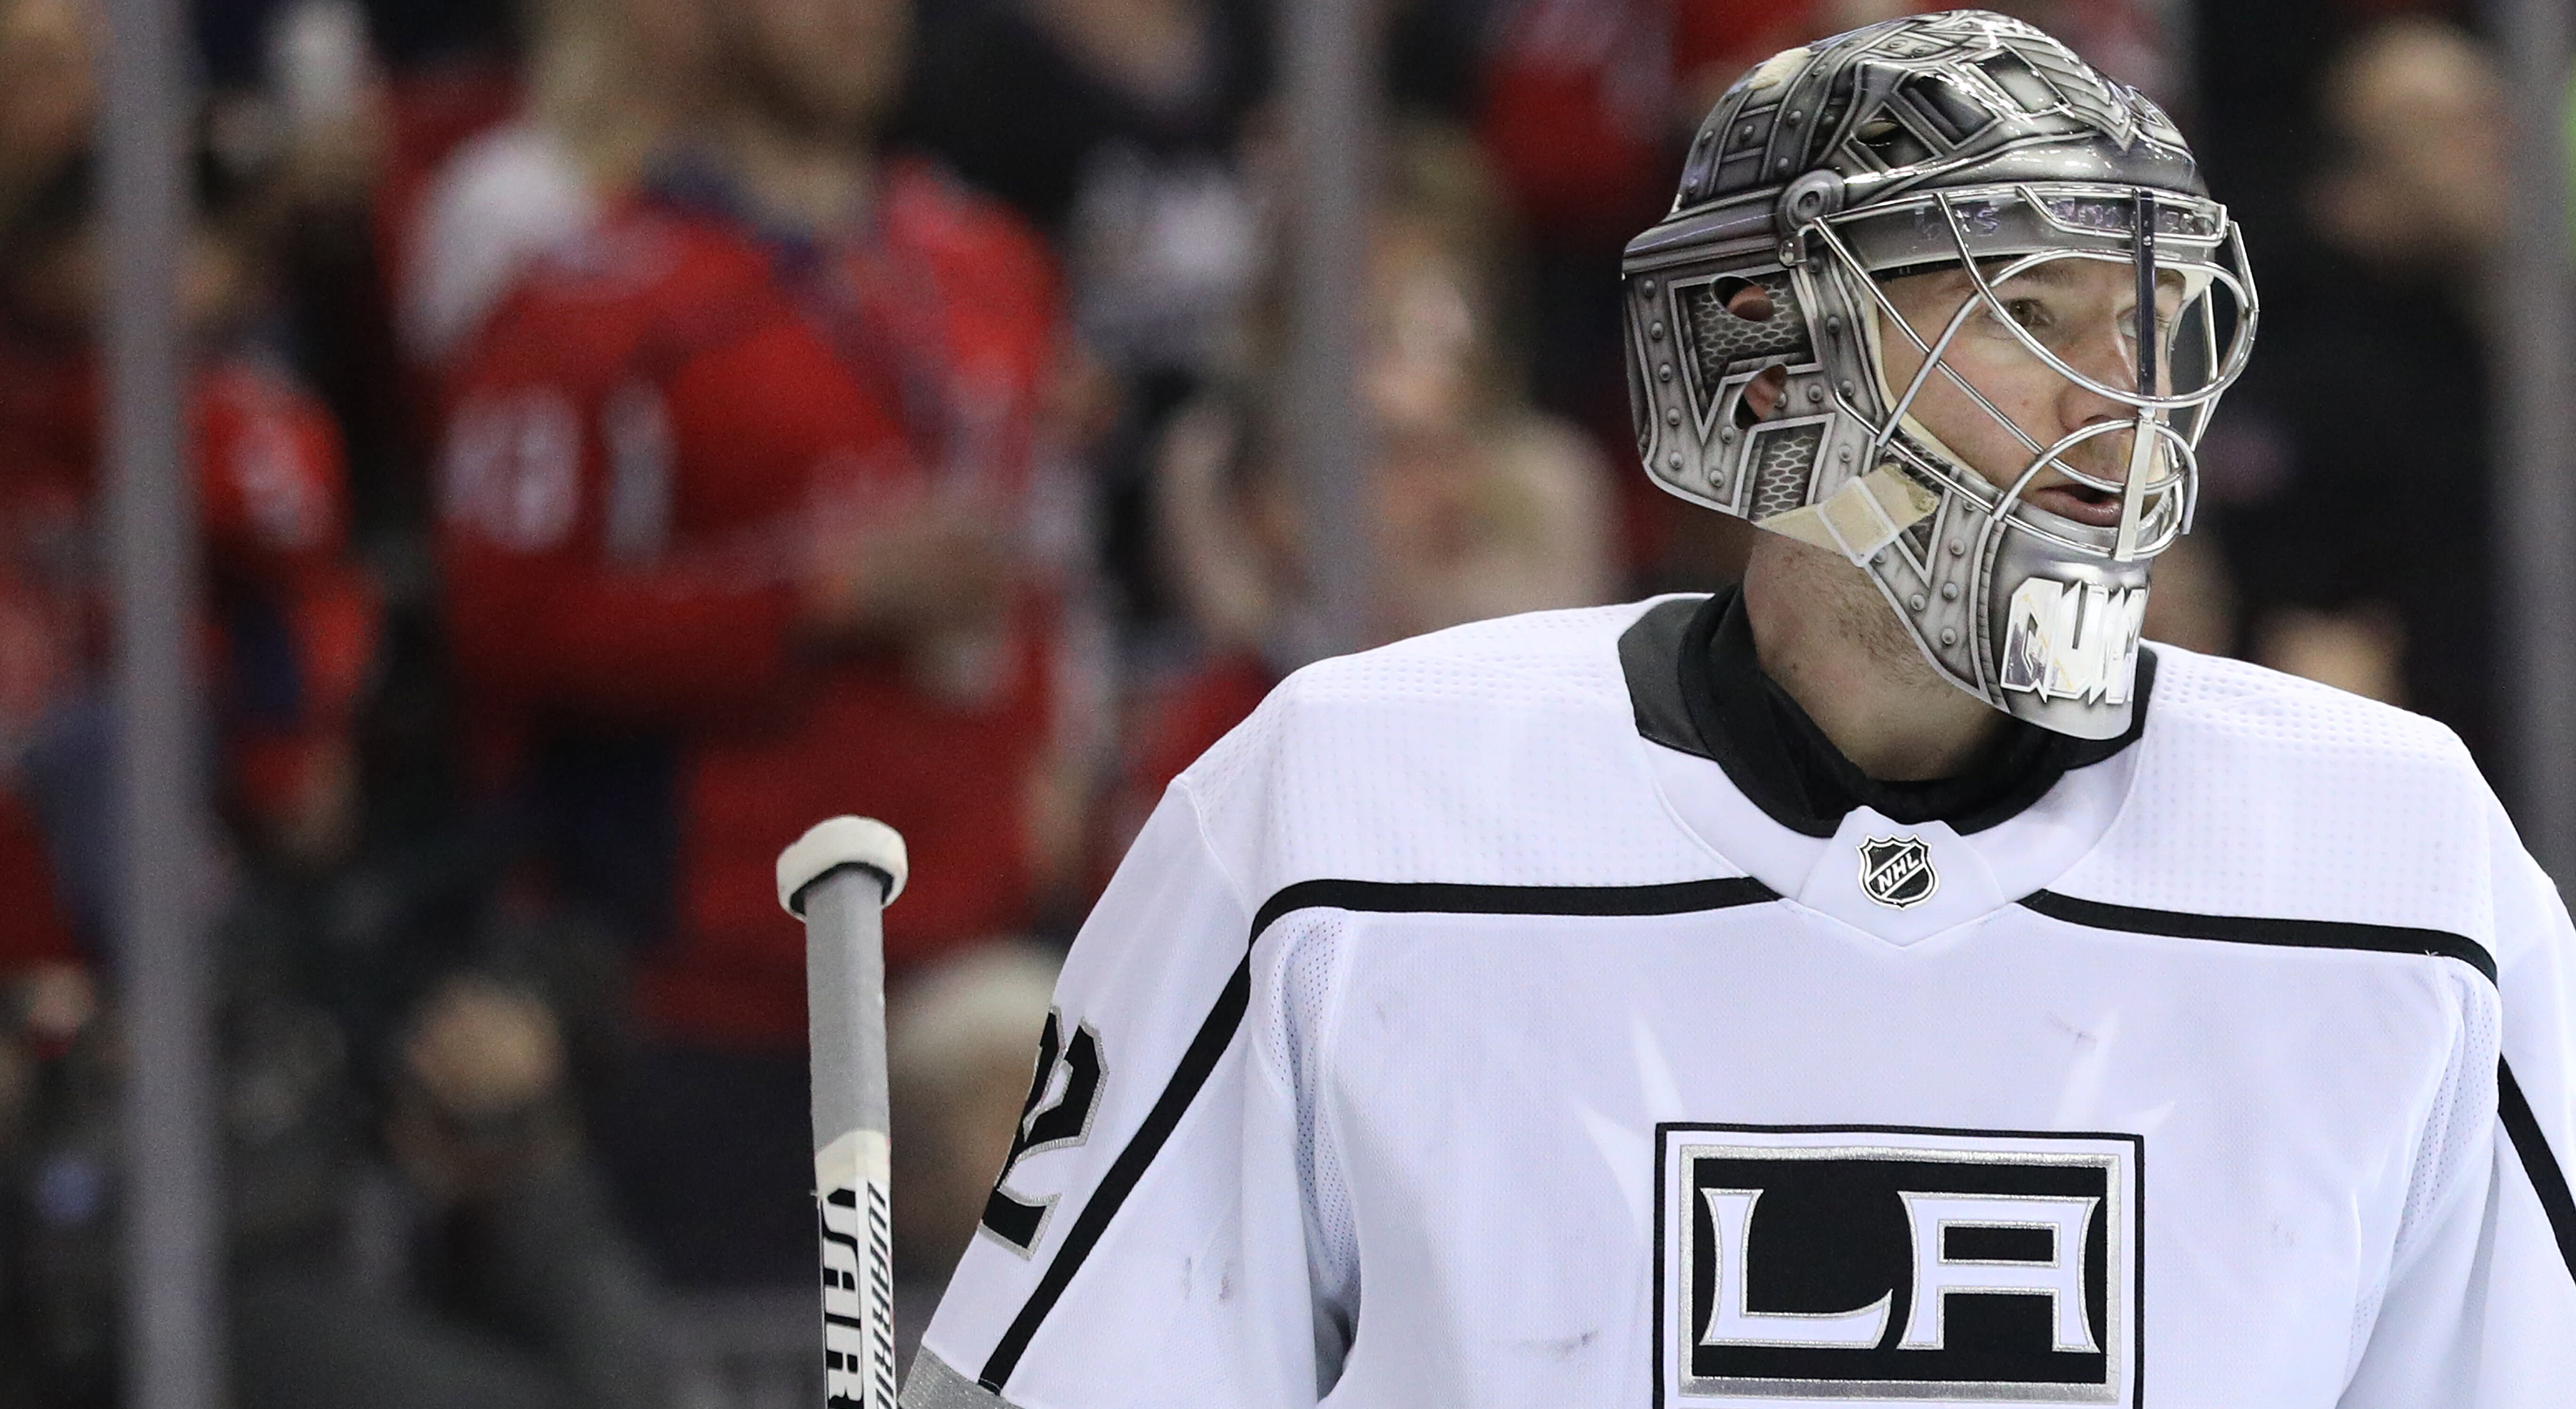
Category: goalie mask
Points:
column 1773, row 377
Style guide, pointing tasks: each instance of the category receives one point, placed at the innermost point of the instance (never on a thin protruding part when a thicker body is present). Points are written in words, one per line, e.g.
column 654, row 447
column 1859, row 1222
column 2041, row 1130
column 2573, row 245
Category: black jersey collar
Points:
column 1698, row 687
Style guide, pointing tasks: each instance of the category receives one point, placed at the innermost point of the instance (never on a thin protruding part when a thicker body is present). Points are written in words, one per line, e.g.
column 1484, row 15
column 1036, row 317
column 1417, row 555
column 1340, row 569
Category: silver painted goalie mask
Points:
column 1774, row 377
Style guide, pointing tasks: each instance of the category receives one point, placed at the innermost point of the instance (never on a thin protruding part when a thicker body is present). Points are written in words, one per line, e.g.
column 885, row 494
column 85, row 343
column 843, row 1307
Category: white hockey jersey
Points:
column 1459, row 1033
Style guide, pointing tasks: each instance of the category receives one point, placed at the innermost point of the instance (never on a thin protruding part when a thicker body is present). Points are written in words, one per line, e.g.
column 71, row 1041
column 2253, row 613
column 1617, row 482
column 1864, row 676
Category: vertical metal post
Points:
column 1332, row 77
column 2535, row 405
column 173, row 1343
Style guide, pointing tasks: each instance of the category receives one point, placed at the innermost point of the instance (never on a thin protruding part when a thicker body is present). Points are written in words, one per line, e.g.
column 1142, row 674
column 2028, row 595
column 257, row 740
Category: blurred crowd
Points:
column 625, row 431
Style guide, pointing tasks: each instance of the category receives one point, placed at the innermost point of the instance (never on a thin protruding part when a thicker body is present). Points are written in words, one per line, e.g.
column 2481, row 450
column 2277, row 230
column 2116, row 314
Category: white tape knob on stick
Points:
column 837, row 842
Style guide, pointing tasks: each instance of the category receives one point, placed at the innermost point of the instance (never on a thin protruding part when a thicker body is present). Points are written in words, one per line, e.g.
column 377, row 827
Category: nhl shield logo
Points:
column 1897, row 871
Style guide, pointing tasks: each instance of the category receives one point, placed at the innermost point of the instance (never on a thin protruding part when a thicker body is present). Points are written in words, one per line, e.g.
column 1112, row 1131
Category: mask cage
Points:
column 2000, row 233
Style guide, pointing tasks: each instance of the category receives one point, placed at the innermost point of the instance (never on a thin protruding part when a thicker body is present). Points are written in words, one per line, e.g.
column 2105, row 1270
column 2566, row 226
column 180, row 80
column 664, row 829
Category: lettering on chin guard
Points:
column 1760, row 327
column 2072, row 641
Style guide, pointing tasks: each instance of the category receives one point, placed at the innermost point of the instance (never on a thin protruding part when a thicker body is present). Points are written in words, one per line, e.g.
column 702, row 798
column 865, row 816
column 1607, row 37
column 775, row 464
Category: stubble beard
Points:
column 1833, row 587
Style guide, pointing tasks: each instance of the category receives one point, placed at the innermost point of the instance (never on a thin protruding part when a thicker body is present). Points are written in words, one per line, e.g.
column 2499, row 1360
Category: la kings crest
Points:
column 1874, row 1264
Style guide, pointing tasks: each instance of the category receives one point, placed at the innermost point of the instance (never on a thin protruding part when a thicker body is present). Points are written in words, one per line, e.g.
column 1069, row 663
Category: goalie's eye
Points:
column 2128, row 323
column 2030, row 314
column 2164, row 327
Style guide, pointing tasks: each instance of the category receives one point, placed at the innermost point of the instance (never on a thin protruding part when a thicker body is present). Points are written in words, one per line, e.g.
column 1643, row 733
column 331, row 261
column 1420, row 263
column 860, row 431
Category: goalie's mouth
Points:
column 2096, row 508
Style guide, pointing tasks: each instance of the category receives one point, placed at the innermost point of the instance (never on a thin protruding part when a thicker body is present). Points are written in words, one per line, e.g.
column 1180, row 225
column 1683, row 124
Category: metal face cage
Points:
column 2180, row 366
column 1838, row 417
column 1841, row 461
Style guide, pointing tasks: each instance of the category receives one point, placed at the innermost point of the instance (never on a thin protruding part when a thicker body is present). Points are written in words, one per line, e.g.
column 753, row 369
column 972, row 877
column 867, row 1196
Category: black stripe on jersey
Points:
column 1214, row 1036
column 1442, row 898
column 2547, row 1179
column 1217, row 1033
column 2250, row 929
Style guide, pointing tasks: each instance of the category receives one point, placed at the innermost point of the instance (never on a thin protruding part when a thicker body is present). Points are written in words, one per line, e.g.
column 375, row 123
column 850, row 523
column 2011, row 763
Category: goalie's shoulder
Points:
column 1503, row 751
column 1481, row 677
column 1553, row 656
column 2239, row 705
column 2258, row 793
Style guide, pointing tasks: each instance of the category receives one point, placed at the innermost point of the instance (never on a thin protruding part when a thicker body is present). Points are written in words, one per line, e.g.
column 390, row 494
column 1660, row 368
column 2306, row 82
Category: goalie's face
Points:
column 2085, row 313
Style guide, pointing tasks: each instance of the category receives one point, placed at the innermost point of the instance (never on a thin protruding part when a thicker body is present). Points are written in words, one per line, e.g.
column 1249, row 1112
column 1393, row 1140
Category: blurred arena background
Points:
column 478, row 477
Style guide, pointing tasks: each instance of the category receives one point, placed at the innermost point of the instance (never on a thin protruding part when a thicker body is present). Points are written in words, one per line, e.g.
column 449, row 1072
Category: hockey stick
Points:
column 838, row 877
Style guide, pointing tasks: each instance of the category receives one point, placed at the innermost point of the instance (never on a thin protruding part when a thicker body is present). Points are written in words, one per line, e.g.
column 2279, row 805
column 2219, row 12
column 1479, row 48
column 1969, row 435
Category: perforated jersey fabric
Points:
column 1464, row 1047
column 1305, row 981
column 2265, row 794
column 1394, row 765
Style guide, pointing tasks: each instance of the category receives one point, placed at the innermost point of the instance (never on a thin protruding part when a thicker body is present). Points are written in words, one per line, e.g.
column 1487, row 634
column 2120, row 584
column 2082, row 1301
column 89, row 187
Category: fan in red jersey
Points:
column 288, row 626
column 734, row 501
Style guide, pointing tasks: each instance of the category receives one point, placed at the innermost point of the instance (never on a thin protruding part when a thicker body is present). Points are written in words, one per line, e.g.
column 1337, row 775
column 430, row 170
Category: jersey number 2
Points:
column 1047, row 1125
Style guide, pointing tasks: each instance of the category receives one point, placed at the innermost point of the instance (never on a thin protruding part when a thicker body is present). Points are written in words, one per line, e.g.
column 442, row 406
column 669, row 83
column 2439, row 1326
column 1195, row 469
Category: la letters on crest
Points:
column 1975, row 1267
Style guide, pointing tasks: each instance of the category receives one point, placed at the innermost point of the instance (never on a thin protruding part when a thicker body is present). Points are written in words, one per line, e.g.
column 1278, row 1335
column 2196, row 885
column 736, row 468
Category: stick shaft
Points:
column 845, row 997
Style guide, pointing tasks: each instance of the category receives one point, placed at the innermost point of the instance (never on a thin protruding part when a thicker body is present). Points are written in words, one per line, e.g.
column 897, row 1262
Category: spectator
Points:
column 1114, row 126
column 526, row 1297
column 57, row 1257
column 2364, row 553
column 46, row 91
column 291, row 625
column 609, row 84
column 526, row 1292
column 732, row 495
column 2194, row 604
column 1483, row 506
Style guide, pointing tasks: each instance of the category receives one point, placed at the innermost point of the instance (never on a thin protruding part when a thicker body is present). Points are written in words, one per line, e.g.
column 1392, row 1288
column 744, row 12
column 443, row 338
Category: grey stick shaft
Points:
column 845, row 998
column 173, row 1342
column 2535, row 362
column 845, row 988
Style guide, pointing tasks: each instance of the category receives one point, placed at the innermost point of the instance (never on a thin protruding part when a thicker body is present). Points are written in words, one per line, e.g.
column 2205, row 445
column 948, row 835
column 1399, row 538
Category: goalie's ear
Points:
column 1761, row 398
